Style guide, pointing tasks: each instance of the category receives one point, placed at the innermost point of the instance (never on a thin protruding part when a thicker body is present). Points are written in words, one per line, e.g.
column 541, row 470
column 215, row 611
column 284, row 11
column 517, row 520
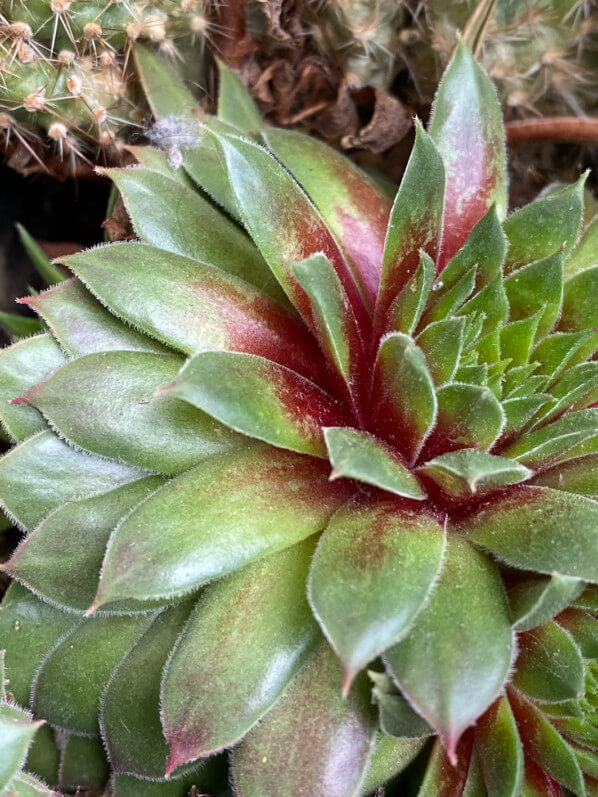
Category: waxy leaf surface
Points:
column 468, row 472
column 500, row 750
column 391, row 557
column 536, row 599
column 549, row 665
column 451, row 678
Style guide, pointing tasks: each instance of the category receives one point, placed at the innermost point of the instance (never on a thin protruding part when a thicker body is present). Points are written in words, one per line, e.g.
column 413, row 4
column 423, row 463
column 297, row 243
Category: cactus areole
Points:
column 308, row 475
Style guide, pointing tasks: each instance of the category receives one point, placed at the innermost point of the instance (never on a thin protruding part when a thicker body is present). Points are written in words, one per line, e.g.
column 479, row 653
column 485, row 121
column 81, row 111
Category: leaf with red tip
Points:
column 549, row 665
column 445, row 777
column 247, row 638
column 260, row 399
column 467, row 128
column 336, row 326
column 539, row 529
column 450, row 678
column 415, row 223
column 543, row 227
column 82, row 325
column 219, row 516
column 500, row 750
column 358, row 455
column 197, row 230
column 353, row 207
column 60, row 560
column 130, row 716
column 43, row 473
column 289, row 753
column 107, row 403
column 403, row 397
column 69, row 684
column 545, row 745
column 193, row 307
column 252, row 172
column 22, row 366
column 372, row 573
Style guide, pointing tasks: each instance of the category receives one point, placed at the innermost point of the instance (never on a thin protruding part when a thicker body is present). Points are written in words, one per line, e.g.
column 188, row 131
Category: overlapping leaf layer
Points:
column 312, row 474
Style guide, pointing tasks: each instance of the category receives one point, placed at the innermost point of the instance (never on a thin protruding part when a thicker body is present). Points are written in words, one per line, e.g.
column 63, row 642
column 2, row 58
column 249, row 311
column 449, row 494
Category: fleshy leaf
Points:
column 260, row 399
column 69, row 684
column 358, row 455
column 192, row 530
column 213, row 692
column 29, row 628
column 353, row 207
column 17, row 730
column 162, row 87
column 252, row 172
column 50, row 273
column 415, row 222
column 584, row 254
column 82, row 325
column 107, row 403
column 158, row 161
column 334, row 320
column 19, row 326
column 535, row 286
column 403, row 398
column 397, row 718
column 451, row 679
column 235, row 103
column 407, row 309
column 289, row 753
column 584, row 629
column 543, row 227
column 468, row 416
column 390, row 757
column 545, row 745
column 555, row 442
column 61, row 559
column 445, row 777
column 517, row 339
column 204, row 166
column 536, row 599
column 22, row 366
column 577, row 476
column 562, row 350
column 466, row 126
column 130, row 711
column 442, row 344
column 197, row 230
column 579, row 302
column 531, row 528
column 499, row 747
column 193, row 307
column 83, row 760
column 391, row 557
column 44, row 472
column 549, row 665
column 469, row 472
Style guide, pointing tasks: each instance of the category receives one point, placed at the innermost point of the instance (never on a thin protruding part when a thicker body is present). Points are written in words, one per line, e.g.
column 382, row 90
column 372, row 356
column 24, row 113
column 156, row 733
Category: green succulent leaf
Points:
column 397, row 718
column 50, row 273
column 536, row 599
column 407, row 308
column 545, row 226
column 61, row 559
column 353, row 207
column 158, row 161
column 584, row 255
column 391, row 557
column 19, row 326
column 26, row 785
column 562, row 350
column 403, row 395
column 465, row 473
column 164, row 90
column 549, row 665
column 29, row 627
column 259, row 398
column 131, row 710
column 17, row 730
column 530, row 528
column 68, row 686
column 193, row 530
column 43, row 756
column 193, row 307
column 415, row 223
column 108, row 403
column 288, row 753
column 390, row 757
column 22, row 366
column 470, row 139
column 358, row 455
column 82, row 326
column 261, row 609
column 197, row 230
column 537, row 286
column 43, row 473
column 469, row 416
column 584, row 629
column 499, row 747
column 235, row 104
column 545, row 745
column 442, row 345
column 83, row 760
column 579, row 305
column 555, row 442
column 204, row 166
column 447, row 776
column 451, row 679
column 517, row 339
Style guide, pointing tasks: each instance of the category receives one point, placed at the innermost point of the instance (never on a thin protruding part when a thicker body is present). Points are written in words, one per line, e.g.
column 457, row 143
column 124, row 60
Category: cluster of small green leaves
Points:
column 196, row 578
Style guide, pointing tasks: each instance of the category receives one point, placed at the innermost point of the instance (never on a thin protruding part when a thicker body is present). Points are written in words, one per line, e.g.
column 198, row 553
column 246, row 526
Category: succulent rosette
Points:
column 309, row 472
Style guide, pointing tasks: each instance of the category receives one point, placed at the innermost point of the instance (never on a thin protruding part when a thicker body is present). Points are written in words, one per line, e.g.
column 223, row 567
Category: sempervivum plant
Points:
column 311, row 474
